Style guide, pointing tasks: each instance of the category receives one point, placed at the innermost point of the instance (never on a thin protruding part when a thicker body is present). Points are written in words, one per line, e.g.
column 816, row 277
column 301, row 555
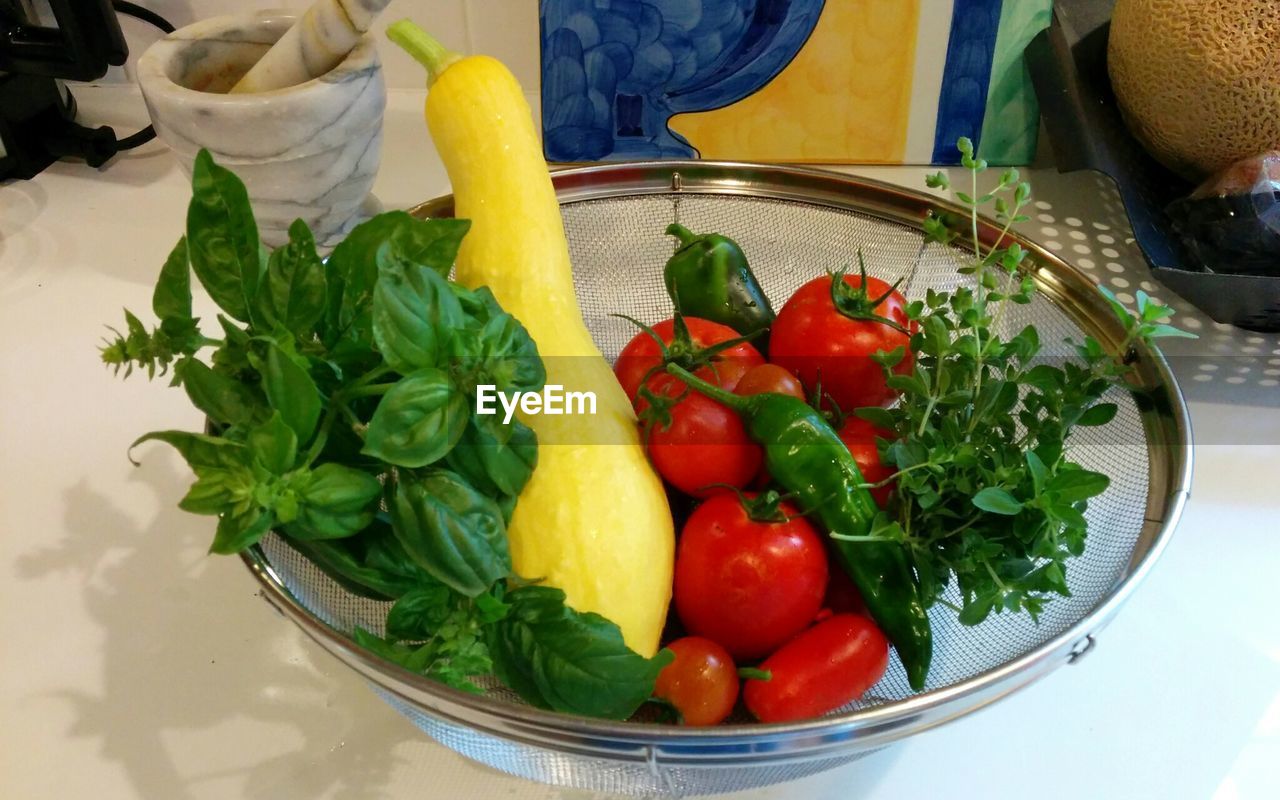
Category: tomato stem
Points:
column 754, row 674
column 856, row 303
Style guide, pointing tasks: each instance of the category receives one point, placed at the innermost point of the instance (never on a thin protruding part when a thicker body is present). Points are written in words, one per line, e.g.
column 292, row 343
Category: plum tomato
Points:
column 823, row 334
column 820, row 670
column 748, row 584
column 701, row 683
column 860, row 437
column 698, row 442
column 642, row 354
column 769, row 378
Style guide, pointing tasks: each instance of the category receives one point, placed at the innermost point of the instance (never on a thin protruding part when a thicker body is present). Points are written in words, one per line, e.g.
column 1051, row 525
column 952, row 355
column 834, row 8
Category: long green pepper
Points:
column 708, row 277
column 805, row 455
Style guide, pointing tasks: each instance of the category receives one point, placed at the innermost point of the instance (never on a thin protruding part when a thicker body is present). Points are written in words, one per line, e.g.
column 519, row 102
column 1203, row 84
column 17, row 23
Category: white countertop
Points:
column 132, row 665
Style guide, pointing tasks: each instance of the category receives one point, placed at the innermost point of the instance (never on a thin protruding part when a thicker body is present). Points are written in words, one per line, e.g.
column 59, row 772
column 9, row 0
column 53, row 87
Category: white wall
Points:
column 504, row 29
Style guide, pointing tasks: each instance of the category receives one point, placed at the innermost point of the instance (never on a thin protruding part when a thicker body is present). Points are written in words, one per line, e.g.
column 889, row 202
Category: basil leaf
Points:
column 293, row 294
column 419, row 613
column 497, row 459
column 1070, row 486
column 371, row 563
column 478, row 303
column 418, row 421
column 433, row 243
column 222, row 237
column 490, row 608
column 232, row 358
column 335, row 559
column 577, row 663
column 199, row 451
column 274, row 445
column 335, row 502
column 501, row 353
column 223, row 399
column 413, row 312
column 452, row 531
column 384, row 552
column 217, row 491
column 171, row 298
column 239, row 530
column 353, row 270
column 291, row 391
column 997, row 501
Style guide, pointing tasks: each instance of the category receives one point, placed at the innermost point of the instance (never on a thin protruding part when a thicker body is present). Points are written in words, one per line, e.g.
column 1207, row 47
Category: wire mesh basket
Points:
column 794, row 224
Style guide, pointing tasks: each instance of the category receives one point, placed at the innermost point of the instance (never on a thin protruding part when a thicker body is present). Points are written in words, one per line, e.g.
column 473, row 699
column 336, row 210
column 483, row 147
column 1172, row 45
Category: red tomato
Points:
column 748, row 585
column 843, row 596
column 642, row 354
column 825, row 667
column 860, row 437
column 705, row 443
column 814, row 340
column 702, row 681
column 769, row 378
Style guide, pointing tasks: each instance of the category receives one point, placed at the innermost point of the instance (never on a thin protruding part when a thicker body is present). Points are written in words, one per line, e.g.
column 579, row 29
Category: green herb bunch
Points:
column 339, row 389
column 985, row 488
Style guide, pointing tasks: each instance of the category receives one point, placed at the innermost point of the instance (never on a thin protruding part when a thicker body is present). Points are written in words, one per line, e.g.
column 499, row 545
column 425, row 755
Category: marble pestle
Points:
column 317, row 43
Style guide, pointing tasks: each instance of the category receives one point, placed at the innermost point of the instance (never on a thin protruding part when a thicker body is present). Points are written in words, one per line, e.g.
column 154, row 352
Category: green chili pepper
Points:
column 708, row 277
column 806, row 457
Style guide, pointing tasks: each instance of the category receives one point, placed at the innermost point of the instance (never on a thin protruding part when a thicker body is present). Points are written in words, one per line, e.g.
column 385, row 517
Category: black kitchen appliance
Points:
column 37, row 112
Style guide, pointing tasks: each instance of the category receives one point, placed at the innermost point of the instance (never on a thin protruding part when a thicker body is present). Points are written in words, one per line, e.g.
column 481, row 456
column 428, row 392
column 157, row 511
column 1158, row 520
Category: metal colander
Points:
column 794, row 225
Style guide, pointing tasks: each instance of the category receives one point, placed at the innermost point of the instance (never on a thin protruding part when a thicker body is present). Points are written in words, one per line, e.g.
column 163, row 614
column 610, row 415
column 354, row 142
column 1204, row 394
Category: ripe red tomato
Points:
column 825, row 667
column 769, row 378
column 748, row 585
column 860, row 437
column 813, row 339
column 843, row 596
column 704, row 443
column 702, row 681
column 642, row 354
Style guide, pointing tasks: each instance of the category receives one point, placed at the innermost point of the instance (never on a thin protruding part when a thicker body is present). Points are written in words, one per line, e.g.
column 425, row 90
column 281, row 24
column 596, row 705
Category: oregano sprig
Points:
column 986, row 493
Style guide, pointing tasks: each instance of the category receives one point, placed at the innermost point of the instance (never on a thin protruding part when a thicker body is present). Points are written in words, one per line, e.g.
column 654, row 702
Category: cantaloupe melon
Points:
column 1198, row 81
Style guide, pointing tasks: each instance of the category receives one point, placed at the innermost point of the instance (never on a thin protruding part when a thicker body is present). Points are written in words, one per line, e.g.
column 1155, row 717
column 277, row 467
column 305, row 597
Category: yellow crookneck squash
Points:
column 593, row 520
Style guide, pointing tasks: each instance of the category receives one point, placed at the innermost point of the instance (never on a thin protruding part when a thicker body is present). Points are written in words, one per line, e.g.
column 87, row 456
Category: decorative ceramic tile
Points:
column 886, row 81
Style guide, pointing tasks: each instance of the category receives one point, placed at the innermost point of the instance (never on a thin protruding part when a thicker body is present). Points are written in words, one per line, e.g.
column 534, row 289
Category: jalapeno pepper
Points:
column 708, row 277
column 805, row 455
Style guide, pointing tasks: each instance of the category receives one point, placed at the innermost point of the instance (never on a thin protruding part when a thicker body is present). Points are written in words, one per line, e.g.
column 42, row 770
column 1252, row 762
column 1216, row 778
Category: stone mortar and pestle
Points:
column 292, row 105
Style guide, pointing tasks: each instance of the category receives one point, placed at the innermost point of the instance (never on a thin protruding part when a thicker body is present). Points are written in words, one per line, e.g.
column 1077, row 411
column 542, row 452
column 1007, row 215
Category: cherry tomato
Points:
column 748, row 585
column 823, row 668
column 703, row 443
column 769, row 378
column 642, row 354
column 814, row 340
column 860, row 437
column 702, row 681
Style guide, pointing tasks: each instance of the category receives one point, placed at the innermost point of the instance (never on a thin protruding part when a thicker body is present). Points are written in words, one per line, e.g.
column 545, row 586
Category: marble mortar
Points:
column 308, row 151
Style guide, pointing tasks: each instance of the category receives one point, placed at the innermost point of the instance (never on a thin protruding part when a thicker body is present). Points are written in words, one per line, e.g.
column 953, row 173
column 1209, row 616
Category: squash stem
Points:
column 424, row 48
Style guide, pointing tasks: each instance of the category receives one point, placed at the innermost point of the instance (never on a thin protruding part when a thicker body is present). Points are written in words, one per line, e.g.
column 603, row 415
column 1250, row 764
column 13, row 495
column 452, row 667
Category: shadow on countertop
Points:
column 175, row 663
